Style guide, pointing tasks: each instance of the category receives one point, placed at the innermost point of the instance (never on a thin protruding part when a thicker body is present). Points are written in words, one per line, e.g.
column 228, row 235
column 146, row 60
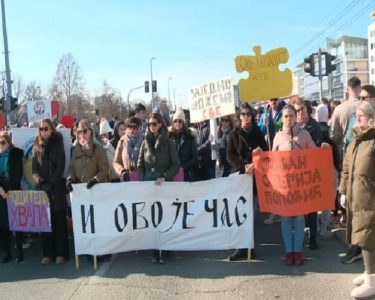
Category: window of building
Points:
column 372, row 71
column 372, row 58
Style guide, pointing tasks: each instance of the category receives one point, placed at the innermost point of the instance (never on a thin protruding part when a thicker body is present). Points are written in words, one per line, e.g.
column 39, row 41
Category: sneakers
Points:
column 238, row 254
column 298, row 259
column 354, row 254
column 289, row 258
column 272, row 219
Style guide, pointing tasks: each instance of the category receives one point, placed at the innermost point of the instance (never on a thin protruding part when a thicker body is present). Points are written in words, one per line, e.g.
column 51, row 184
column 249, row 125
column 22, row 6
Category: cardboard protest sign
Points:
column 265, row 80
column 29, row 211
column 294, row 183
column 212, row 100
column 39, row 110
column 205, row 215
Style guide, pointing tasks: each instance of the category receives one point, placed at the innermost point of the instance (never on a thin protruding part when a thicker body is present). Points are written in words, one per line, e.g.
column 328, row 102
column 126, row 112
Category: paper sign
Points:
column 212, row 100
column 39, row 110
column 265, row 80
column 29, row 211
column 295, row 183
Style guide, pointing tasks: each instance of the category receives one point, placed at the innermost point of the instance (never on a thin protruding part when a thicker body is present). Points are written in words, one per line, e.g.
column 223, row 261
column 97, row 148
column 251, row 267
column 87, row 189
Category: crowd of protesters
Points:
column 160, row 146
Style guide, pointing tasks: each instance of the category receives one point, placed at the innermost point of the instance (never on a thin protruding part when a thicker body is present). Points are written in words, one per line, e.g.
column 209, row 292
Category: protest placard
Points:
column 39, row 110
column 294, row 183
column 212, row 100
column 207, row 215
column 29, row 211
column 265, row 79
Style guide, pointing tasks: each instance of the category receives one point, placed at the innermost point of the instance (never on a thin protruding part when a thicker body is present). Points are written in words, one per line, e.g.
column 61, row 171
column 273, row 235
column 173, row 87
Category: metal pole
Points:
column 133, row 89
column 152, row 92
column 7, row 68
column 320, row 74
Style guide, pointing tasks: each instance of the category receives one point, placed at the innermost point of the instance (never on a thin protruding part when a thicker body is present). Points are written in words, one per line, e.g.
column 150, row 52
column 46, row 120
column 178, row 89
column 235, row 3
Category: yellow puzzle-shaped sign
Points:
column 265, row 80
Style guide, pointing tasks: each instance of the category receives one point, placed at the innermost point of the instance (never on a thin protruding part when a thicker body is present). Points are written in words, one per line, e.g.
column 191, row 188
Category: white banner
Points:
column 39, row 110
column 207, row 215
column 24, row 138
column 212, row 100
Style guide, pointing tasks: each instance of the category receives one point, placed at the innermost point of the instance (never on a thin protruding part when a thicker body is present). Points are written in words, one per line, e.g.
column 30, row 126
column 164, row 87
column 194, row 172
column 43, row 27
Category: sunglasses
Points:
column 44, row 128
column 83, row 131
column 3, row 142
column 132, row 126
column 153, row 124
column 178, row 121
column 248, row 114
column 364, row 98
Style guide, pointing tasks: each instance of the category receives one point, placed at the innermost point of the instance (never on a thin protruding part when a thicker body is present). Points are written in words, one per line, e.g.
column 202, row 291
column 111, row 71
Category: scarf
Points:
column 134, row 145
column 4, row 168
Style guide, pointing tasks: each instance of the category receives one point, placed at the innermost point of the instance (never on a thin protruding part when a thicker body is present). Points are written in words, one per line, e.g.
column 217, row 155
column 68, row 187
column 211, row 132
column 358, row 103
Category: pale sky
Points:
column 193, row 41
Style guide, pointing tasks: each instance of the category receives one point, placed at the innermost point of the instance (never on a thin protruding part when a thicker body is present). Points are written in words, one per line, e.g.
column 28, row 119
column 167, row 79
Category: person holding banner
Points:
column 127, row 150
column 357, row 188
column 291, row 138
column 158, row 160
column 48, row 163
column 186, row 146
column 243, row 141
column 224, row 129
column 11, row 171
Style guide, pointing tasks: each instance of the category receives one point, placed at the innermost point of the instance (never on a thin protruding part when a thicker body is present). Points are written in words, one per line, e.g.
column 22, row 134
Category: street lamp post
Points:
column 152, row 92
column 169, row 96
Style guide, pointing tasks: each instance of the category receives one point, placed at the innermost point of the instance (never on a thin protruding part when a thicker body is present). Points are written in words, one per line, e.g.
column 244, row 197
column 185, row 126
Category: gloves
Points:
column 91, row 183
column 343, row 201
column 69, row 186
column 125, row 176
column 45, row 186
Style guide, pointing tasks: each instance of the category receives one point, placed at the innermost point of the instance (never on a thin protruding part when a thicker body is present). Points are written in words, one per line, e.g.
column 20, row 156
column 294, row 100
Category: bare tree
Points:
column 110, row 102
column 32, row 91
column 18, row 88
column 67, row 85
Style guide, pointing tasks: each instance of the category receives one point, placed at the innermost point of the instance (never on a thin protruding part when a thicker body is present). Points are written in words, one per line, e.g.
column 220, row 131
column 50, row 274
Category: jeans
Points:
column 292, row 230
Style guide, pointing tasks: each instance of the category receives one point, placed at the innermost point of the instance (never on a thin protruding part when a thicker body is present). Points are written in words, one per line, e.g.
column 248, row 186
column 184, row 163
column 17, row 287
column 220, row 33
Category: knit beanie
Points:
column 104, row 127
column 179, row 115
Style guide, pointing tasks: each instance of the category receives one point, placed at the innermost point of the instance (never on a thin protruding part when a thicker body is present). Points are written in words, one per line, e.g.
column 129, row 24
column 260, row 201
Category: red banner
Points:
column 295, row 183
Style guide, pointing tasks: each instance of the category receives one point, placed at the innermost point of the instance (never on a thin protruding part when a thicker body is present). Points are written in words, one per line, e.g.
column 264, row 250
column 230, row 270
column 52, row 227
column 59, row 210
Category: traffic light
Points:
column 147, row 87
column 309, row 65
column 330, row 67
column 2, row 104
column 13, row 103
column 154, row 86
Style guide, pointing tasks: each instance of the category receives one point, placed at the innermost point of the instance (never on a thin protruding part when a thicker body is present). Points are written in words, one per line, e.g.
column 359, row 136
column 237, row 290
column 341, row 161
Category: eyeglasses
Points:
column 363, row 98
column 3, row 142
column 83, row 131
column 178, row 121
column 248, row 114
column 153, row 124
column 44, row 128
column 132, row 126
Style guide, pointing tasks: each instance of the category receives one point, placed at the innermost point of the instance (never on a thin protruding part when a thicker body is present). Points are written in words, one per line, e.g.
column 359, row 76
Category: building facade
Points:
column 371, row 49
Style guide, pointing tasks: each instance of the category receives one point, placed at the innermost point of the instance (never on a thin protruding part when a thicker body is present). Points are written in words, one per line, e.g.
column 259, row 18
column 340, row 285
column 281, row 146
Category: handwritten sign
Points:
column 29, row 211
column 39, row 110
column 294, row 183
column 212, row 100
column 265, row 80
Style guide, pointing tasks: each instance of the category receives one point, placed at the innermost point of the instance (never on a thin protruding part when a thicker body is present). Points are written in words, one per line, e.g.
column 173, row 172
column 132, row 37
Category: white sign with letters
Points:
column 208, row 215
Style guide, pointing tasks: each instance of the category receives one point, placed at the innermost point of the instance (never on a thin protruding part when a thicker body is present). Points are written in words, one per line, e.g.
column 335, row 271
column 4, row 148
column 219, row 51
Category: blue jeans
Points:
column 292, row 230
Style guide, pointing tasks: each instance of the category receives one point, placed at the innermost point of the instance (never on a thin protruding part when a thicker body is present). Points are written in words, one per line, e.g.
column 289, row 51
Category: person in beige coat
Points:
column 88, row 163
column 357, row 187
column 127, row 150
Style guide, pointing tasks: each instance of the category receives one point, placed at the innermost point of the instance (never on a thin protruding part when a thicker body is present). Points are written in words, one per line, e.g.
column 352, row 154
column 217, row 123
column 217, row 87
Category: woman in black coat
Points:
column 241, row 144
column 48, row 163
column 11, row 171
column 185, row 144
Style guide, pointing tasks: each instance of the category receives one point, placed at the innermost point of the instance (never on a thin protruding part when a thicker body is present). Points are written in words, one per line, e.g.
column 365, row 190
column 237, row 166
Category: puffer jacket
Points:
column 87, row 164
column 158, row 157
column 358, row 184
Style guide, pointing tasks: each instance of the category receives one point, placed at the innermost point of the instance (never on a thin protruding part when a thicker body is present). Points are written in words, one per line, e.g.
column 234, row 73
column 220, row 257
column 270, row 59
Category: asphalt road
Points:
column 187, row 275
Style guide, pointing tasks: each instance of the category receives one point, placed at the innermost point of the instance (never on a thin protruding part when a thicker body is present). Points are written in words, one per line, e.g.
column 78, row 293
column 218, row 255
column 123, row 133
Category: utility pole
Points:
column 151, row 83
column 8, row 95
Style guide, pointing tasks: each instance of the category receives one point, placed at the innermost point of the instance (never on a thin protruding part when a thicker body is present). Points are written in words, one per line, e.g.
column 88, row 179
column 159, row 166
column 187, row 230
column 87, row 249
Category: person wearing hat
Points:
column 243, row 141
column 186, row 146
column 127, row 151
